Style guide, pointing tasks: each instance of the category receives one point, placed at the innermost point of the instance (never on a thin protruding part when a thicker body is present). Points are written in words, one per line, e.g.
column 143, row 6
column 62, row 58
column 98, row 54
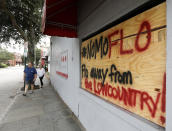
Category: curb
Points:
column 9, row 106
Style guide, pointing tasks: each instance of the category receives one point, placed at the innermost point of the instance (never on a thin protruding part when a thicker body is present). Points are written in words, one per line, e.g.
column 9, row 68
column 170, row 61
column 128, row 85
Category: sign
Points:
column 25, row 49
column 62, row 64
column 126, row 64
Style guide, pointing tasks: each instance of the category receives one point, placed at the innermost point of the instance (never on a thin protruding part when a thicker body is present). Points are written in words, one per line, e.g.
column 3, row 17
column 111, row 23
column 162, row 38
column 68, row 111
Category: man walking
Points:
column 30, row 75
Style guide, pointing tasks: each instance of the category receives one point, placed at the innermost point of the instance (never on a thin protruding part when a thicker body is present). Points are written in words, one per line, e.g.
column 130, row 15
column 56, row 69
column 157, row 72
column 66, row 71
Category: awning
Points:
column 60, row 18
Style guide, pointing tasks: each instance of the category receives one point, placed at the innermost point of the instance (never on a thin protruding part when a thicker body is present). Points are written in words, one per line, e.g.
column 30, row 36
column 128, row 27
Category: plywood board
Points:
column 125, row 64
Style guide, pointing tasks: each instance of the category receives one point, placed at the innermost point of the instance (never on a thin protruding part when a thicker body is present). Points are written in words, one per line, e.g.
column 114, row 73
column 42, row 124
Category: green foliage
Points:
column 21, row 21
column 27, row 14
column 3, row 65
column 5, row 56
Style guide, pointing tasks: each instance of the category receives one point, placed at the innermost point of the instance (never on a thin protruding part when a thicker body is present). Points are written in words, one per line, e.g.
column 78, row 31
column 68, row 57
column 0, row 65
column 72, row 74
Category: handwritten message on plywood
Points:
column 125, row 64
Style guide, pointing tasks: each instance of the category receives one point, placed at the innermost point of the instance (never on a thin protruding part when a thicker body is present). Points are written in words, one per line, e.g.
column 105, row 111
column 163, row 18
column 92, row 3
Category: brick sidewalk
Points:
column 41, row 111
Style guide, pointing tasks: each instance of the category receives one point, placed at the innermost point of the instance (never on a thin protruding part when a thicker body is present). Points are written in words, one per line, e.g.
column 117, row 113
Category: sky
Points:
column 19, row 48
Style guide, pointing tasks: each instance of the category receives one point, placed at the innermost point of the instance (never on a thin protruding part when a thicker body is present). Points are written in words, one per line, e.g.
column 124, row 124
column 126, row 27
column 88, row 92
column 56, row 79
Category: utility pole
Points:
column 35, row 55
column 25, row 57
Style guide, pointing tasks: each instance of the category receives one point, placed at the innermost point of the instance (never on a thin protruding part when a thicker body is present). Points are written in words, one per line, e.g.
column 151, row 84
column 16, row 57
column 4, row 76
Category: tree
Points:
column 38, row 55
column 21, row 21
column 5, row 56
column 22, row 57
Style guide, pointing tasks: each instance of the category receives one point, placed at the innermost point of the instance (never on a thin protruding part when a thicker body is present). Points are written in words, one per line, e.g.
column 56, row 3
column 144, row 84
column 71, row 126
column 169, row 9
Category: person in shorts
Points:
column 30, row 75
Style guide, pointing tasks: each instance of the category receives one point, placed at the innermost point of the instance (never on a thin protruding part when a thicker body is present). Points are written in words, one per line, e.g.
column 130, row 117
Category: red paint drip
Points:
column 163, row 100
column 162, row 118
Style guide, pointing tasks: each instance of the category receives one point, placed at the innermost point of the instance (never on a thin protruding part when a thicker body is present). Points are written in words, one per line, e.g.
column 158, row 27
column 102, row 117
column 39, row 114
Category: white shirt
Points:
column 40, row 72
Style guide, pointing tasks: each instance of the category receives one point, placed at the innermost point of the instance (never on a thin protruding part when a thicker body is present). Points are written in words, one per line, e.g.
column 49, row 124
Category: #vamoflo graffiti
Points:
column 125, row 64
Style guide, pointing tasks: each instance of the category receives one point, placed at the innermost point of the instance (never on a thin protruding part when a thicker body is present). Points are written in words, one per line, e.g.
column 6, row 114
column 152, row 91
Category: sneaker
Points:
column 24, row 94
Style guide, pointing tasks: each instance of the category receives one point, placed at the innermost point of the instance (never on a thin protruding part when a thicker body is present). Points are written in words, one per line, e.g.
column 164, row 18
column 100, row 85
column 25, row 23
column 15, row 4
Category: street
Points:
column 11, row 79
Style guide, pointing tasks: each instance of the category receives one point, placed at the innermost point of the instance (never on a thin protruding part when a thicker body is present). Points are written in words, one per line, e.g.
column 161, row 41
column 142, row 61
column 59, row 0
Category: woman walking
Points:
column 41, row 72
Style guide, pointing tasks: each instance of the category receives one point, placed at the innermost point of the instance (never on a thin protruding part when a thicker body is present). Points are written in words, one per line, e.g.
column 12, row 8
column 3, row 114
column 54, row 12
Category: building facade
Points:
column 114, row 71
column 16, row 61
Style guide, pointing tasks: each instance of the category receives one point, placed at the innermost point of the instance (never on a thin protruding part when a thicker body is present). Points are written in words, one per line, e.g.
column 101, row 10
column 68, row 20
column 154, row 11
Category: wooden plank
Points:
column 126, row 64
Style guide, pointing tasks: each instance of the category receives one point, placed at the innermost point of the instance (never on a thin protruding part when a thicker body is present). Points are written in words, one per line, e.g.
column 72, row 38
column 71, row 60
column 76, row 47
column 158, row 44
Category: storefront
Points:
column 110, row 61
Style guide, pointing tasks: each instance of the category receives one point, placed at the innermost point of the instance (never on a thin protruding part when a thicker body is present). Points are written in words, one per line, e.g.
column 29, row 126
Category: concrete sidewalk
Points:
column 41, row 111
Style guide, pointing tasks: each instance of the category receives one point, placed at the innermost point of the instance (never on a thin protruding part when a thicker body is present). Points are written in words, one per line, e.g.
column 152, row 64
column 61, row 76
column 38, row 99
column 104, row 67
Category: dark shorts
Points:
column 29, row 82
